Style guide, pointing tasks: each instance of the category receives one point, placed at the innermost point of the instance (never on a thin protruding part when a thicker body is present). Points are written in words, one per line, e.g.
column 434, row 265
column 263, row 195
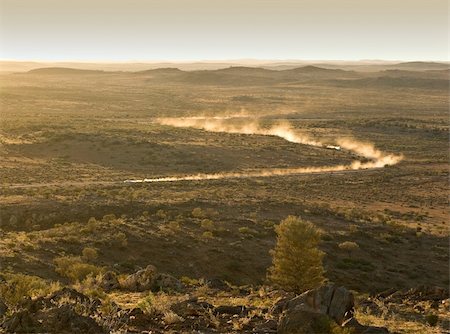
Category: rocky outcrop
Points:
column 109, row 281
column 55, row 314
column 319, row 310
column 166, row 282
column 303, row 322
column 141, row 280
column 331, row 300
column 149, row 279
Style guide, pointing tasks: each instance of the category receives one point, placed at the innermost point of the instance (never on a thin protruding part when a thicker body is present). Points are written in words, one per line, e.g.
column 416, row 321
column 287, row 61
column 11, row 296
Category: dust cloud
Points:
column 369, row 156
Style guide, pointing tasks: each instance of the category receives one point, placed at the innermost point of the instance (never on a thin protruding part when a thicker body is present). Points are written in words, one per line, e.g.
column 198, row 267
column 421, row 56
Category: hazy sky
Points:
column 223, row 29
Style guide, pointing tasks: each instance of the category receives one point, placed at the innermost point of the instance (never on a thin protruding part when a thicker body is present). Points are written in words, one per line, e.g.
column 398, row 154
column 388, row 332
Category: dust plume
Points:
column 374, row 158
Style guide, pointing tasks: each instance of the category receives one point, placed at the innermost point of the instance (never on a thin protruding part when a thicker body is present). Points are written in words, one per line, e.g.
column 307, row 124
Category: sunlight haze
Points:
column 197, row 30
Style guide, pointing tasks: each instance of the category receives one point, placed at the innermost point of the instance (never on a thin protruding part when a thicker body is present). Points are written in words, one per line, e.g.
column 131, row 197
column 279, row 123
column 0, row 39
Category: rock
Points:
column 303, row 322
column 331, row 300
column 68, row 293
column 65, row 319
column 109, row 281
column 149, row 279
column 55, row 314
column 141, row 280
column 21, row 322
column 61, row 319
column 281, row 303
column 166, row 282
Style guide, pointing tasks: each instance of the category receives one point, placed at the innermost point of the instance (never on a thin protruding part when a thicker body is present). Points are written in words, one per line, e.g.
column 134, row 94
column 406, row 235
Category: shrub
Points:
column 146, row 304
column 91, row 225
column 349, row 246
column 171, row 318
column 247, row 231
column 297, row 262
column 198, row 213
column 89, row 254
column 207, row 235
column 207, row 224
column 18, row 286
column 74, row 268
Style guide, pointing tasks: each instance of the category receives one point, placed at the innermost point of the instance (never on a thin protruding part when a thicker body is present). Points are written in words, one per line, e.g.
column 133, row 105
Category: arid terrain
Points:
column 238, row 149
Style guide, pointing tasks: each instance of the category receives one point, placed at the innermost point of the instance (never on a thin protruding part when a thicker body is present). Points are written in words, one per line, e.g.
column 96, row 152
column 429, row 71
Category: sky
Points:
column 187, row 30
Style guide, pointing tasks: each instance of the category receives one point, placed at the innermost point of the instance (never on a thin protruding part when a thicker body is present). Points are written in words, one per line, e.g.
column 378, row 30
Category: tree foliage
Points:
column 297, row 261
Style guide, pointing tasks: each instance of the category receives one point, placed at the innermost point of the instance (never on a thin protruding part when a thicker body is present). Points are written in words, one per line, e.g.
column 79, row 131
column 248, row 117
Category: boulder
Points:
column 65, row 320
column 69, row 293
column 166, row 282
column 109, row 281
column 331, row 300
column 141, row 280
column 303, row 322
column 21, row 322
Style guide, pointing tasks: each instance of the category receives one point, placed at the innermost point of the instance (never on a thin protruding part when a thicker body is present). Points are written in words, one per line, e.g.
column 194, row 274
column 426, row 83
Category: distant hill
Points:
column 419, row 66
column 313, row 69
column 393, row 82
column 421, row 77
column 164, row 70
column 63, row 71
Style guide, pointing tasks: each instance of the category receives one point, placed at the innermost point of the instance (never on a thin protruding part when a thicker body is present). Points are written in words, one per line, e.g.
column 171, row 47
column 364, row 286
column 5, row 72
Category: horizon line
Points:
column 212, row 61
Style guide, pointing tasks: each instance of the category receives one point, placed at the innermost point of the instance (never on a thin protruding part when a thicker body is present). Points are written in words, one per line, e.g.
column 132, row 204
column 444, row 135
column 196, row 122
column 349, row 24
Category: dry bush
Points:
column 18, row 286
column 74, row 268
column 89, row 254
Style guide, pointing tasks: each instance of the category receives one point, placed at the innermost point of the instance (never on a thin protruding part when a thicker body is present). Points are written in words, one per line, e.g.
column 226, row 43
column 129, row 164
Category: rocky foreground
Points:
column 327, row 309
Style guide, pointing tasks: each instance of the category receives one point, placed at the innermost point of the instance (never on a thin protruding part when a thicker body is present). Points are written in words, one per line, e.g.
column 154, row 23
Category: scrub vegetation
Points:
column 70, row 138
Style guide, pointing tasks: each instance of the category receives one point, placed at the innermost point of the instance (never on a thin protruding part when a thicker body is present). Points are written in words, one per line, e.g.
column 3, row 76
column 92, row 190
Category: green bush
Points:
column 207, row 224
column 74, row 268
column 18, row 286
column 198, row 213
column 297, row 261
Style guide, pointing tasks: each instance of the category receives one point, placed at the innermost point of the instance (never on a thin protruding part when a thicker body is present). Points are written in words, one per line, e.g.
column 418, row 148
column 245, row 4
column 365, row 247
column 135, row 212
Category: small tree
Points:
column 297, row 262
column 349, row 247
